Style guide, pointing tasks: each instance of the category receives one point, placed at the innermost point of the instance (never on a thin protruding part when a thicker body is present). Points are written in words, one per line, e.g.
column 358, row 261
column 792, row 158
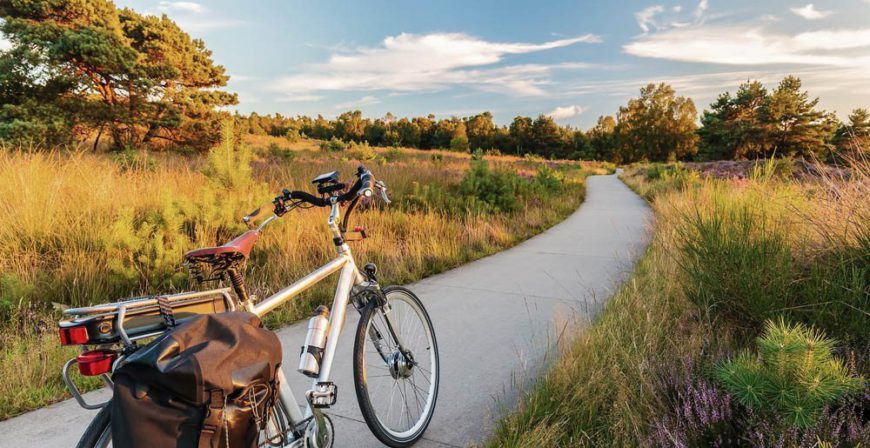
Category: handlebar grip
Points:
column 366, row 181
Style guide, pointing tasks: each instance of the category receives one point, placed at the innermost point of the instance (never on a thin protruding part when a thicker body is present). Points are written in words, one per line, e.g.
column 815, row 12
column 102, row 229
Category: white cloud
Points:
column 563, row 112
column 194, row 17
column 414, row 62
column 367, row 100
column 181, row 6
column 299, row 98
column 701, row 9
column 646, row 17
column 810, row 12
column 754, row 45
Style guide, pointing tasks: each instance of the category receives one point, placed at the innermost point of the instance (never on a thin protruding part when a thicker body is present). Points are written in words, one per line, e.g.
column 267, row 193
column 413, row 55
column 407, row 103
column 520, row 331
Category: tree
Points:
column 481, row 130
column 657, row 126
column 602, row 139
column 521, row 131
column 547, row 137
column 793, row 125
column 141, row 77
column 732, row 128
column 459, row 142
column 350, row 126
column 853, row 139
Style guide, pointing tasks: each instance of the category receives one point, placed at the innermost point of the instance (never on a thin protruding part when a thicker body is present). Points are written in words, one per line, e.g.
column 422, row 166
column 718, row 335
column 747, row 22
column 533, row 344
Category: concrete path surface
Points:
column 495, row 320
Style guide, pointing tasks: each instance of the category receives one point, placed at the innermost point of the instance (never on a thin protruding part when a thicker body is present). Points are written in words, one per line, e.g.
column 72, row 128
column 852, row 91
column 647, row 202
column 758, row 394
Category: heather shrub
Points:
column 794, row 375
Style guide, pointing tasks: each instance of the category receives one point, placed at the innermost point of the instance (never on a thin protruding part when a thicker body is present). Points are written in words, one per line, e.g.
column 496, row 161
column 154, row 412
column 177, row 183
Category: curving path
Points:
column 496, row 320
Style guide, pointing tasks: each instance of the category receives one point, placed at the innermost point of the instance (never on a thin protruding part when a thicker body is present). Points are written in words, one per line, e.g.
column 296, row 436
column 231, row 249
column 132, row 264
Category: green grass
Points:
column 725, row 257
column 78, row 228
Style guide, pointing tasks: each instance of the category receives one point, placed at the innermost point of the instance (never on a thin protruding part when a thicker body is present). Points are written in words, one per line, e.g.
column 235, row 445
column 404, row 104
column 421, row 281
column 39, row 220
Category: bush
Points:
column 277, row 151
column 459, row 143
column 333, row 144
column 229, row 163
column 132, row 160
column 548, row 179
column 361, row 152
column 794, row 375
column 393, row 155
column 736, row 264
column 494, row 188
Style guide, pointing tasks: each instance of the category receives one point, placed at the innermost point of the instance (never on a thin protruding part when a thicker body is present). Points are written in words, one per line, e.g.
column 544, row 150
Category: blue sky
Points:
column 575, row 59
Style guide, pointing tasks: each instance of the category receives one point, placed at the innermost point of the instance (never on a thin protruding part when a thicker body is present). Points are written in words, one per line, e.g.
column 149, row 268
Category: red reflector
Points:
column 96, row 362
column 73, row 335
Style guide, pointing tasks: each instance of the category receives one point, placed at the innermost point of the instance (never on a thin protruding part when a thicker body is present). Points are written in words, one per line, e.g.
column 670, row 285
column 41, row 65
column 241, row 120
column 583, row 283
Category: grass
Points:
column 79, row 228
column 725, row 257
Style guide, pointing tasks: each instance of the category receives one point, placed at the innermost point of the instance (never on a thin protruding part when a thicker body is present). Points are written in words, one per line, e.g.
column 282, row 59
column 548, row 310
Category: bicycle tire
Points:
column 361, row 378
column 98, row 430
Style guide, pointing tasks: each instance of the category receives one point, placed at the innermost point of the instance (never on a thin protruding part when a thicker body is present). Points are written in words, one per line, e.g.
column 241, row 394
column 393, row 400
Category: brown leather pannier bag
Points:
column 208, row 383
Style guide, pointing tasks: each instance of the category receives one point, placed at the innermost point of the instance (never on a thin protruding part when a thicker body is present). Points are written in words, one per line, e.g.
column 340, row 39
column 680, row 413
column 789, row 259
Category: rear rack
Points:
column 140, row 317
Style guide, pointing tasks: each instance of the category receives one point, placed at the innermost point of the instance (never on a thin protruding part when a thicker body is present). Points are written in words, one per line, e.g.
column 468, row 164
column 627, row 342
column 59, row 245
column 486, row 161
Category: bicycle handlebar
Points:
column 363, row 187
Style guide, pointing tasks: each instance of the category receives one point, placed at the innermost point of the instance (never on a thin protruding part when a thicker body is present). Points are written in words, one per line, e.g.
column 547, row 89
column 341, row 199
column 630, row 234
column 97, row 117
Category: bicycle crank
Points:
column 320, row 432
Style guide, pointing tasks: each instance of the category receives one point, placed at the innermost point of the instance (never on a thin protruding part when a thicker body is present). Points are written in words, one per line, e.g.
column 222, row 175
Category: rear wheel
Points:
column 396, row 386
column 99, row 432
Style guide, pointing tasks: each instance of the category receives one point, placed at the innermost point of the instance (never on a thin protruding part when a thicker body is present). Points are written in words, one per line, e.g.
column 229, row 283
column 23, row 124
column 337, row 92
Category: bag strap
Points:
column 209, row 436
column 166, row 311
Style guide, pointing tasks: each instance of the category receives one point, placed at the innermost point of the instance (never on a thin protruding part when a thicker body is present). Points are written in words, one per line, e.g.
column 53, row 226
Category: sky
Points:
column 574, row 60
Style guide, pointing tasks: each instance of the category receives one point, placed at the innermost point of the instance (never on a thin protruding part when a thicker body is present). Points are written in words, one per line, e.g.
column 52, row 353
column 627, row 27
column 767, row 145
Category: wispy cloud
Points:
column 646, row 17
column 810, row 12
column 195, row 17
column 367, row 100
column 755, row 45
column 299, row 98
column 415, row 62
column 564, row 112
column 181, row 6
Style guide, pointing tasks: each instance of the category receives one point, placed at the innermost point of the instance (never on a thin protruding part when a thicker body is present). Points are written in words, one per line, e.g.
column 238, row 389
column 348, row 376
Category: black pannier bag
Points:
column 208, row 383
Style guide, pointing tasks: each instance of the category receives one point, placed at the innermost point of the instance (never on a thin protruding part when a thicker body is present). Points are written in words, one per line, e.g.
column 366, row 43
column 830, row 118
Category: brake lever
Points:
column 382, row 188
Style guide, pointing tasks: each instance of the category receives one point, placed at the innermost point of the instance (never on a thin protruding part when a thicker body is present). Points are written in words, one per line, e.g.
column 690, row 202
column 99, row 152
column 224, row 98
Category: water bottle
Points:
column 315, row 341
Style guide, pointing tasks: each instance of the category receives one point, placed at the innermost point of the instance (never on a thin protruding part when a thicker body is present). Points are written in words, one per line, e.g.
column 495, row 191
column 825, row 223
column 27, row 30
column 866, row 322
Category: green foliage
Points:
column 548, row 179
column 394, row 155
column 333, row 145
column 737, row 264
column 495, row 188
column 459, row 143
column 755, row 123
column 657, row 126
column 277, row 151
column 78, row 65
column 13, row 292
column 131, row 160
column 361, row 152
column 793, row 376
column 229, row 163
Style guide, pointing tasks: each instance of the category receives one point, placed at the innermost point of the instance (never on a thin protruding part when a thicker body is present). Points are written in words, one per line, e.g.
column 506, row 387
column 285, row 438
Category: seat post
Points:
column 238, row 281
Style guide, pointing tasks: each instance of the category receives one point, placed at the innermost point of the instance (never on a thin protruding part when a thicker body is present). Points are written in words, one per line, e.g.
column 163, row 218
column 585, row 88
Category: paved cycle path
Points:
column 496, row 321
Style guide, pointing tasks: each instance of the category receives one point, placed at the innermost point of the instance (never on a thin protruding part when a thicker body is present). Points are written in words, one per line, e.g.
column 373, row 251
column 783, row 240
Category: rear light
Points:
column 73, row 335
column 96, row 362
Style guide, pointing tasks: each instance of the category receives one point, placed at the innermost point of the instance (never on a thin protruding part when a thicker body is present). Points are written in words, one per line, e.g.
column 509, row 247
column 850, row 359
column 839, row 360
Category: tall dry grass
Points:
column 81, row 228
column 725, row 256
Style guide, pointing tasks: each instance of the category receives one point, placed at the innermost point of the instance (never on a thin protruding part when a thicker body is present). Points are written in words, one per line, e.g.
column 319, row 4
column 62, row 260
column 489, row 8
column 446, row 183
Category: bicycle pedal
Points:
column 323, row 395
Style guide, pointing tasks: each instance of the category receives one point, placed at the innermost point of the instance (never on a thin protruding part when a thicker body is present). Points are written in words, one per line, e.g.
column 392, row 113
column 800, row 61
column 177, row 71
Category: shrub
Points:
column 477, row 154
column 794, row 374
column 394, row 154
column 277, row 151
column 361, row 152
column 492, row 152
column 494, row 188
column 737, row 264
column 459, row 143
column 132, row 160
column 333, row 144
column 437, row 158
column 293, row 136
column 229, row 163
column 548, row 179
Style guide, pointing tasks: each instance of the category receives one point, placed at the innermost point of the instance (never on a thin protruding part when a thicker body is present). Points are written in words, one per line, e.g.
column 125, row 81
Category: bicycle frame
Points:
column 349, row 278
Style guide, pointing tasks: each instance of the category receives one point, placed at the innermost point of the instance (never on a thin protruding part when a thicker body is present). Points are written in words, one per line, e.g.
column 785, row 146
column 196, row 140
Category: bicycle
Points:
column 394, row 349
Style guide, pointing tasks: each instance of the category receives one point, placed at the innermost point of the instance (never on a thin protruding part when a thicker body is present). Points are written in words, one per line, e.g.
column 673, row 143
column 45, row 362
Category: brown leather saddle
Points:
column 237, row 249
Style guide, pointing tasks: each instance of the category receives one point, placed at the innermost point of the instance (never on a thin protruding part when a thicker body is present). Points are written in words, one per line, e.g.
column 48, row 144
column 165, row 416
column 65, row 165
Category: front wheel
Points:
column 396, row 368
